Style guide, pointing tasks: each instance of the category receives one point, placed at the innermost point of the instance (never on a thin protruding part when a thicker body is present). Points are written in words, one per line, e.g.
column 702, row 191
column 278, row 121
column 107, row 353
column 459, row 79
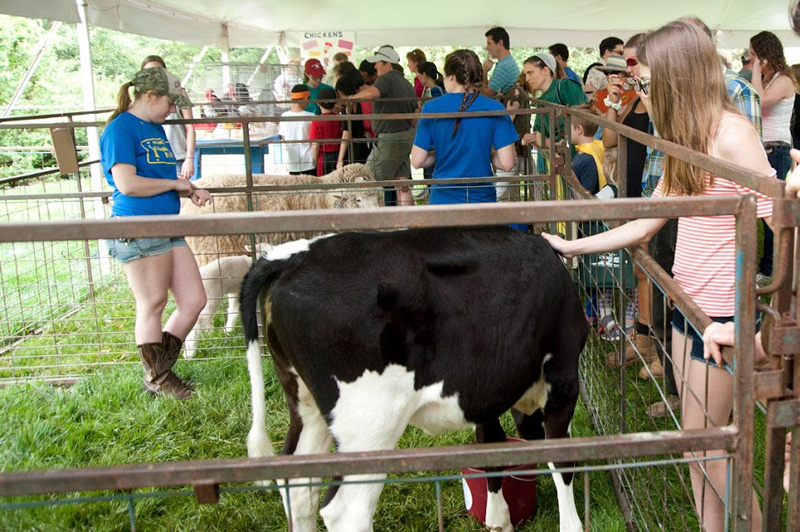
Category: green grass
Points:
column 106, row 419
column 42, row 281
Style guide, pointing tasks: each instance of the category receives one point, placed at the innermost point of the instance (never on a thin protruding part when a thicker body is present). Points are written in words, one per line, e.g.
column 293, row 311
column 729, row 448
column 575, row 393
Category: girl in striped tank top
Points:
column 689, row 105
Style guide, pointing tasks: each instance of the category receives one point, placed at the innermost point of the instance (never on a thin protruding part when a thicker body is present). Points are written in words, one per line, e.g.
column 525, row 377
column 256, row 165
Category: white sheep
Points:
column 208, row 248
column 222, row 277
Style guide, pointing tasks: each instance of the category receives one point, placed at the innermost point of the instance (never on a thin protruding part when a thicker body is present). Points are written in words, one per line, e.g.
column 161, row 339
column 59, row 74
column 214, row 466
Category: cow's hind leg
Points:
column 351, row 506
column 370, row 415
column 498, row 517
column 308, row 434
column 557, row 419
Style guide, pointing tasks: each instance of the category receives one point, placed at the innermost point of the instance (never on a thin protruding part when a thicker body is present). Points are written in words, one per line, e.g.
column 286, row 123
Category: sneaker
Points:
column 609, row 329
column 763, row 280
column 663, row 409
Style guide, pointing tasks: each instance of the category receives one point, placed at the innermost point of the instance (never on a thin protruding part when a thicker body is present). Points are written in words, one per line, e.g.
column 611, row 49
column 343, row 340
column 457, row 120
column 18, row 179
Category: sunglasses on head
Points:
column 631, row 61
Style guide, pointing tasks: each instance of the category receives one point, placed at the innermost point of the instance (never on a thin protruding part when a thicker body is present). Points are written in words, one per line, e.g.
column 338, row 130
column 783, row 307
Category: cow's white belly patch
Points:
column 536, row 396
column 376, row 404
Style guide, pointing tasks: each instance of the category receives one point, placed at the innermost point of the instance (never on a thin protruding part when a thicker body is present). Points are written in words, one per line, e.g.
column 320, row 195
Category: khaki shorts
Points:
column 390, row 155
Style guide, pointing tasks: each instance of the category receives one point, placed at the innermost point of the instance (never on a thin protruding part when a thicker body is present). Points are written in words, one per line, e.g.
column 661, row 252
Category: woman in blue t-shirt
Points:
column 140, row 166
column 463, row 147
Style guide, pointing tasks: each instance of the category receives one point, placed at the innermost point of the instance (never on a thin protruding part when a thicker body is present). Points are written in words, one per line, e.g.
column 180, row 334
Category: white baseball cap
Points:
column 385, row 53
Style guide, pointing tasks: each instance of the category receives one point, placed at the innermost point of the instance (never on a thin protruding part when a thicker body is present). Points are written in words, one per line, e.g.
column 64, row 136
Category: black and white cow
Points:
column 435, row 328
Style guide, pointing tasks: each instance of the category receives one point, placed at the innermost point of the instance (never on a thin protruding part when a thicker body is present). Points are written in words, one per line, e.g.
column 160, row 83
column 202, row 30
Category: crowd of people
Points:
column 670, row 82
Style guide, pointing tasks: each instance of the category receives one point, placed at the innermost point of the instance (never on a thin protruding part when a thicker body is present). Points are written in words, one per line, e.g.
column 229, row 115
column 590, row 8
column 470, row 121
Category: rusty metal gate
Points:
column 630, row 449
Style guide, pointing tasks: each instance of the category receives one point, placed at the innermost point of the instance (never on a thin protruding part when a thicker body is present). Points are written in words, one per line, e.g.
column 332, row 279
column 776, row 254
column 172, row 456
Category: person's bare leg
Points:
column 148, row 278
column 707, row 401
column 404, row 196
column 186, row 286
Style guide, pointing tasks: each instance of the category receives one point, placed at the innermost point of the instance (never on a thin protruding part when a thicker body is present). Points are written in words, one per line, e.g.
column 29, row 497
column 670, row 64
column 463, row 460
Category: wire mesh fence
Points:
column 69, row 312
column 244, row 89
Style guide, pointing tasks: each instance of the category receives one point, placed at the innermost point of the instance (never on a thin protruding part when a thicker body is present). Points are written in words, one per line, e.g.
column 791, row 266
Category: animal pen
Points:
column 67, row 319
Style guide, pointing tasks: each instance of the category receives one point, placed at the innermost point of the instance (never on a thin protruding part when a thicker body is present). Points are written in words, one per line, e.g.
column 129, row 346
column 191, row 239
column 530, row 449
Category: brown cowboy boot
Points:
column 158, row 377
column 642, row 344
column 172, row 345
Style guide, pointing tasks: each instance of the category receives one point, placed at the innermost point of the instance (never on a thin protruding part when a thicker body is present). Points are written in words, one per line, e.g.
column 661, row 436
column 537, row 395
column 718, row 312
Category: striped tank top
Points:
column 705, row 252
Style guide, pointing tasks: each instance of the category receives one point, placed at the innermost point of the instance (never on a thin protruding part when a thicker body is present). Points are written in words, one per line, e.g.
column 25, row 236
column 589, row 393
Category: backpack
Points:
column 515, row 93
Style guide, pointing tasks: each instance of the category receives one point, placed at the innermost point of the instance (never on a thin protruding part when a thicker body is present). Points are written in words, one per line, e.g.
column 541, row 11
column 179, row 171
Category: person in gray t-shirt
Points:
column 389, row 158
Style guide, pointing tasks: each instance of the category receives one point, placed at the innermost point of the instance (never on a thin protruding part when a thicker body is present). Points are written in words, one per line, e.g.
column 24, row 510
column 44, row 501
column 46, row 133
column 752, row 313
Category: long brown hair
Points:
column 768, row 46
column 688, row 96
column 465, row 66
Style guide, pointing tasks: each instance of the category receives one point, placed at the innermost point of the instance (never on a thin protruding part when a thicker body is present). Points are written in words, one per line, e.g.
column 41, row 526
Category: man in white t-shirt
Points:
column 595, row 79
column 298, row 154
column 290, row 76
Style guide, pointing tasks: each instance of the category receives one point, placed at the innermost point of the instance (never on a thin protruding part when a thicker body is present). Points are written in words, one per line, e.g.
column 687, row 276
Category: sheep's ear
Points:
column 359, row 179
column 248, row 249
column 338, row 199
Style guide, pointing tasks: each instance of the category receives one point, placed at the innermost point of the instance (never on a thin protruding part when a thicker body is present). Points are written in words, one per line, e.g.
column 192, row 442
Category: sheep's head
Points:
column 358, row 198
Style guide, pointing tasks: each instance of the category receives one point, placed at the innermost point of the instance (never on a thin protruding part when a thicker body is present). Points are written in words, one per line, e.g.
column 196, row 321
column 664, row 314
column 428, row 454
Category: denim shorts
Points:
column 127, row 250
column 695, row 337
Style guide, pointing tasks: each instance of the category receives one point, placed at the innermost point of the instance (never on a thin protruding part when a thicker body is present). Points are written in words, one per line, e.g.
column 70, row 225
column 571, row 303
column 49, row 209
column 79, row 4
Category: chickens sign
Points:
column 323, row 45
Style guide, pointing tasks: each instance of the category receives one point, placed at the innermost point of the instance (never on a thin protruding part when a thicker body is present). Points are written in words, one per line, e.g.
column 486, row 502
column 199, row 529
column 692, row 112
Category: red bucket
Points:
column 519, row 491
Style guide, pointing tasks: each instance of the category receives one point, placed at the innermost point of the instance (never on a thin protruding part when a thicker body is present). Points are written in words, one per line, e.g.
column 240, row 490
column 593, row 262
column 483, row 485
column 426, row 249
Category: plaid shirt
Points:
column 653, row 166
column 744, row 97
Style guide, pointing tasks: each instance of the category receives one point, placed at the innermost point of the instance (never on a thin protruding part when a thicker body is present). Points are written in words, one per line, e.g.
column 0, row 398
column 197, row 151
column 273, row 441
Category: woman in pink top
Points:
column 415, row 58
column 686, row 98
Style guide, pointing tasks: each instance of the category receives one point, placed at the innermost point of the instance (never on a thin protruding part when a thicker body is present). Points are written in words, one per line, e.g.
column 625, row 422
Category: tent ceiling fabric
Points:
column 262, row 23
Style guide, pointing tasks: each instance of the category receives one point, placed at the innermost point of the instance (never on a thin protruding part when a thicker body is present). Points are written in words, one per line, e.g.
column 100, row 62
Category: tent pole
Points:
column 260, row 63
column 226, row 57
column 87, row 76
column 196, row 60
column 40, row 48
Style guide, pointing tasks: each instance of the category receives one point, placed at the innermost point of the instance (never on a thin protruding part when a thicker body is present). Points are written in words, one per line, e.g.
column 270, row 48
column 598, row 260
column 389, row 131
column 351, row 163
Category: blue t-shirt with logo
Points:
column 468, row 154
column 131, row 140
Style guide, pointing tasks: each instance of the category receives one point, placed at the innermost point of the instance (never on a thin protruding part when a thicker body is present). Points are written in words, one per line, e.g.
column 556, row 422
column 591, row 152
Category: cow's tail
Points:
column 256, row 282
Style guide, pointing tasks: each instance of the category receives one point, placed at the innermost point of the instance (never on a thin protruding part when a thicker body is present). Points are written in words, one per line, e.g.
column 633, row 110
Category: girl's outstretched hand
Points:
column 559, row 244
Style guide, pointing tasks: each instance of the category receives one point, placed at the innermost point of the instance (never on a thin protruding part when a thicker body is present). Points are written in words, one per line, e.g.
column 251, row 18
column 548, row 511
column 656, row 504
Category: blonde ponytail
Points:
column 123, row 101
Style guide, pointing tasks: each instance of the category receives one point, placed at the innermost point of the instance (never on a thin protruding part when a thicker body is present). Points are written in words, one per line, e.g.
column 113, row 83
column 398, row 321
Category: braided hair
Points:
column 465, row 66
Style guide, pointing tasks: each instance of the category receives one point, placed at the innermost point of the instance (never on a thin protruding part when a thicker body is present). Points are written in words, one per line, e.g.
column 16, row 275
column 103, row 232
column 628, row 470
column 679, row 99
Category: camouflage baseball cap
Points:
column 161, row 81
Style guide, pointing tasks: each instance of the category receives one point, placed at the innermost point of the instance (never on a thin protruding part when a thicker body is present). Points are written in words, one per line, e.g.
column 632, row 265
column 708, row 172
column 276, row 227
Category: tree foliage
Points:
column 57, row 84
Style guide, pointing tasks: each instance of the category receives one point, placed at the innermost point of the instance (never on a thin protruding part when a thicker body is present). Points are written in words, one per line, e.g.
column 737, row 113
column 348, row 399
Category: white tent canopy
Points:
column 263, row 23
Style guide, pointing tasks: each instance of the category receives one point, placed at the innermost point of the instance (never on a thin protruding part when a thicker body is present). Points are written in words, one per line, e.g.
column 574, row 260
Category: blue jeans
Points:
column 779, row 158
column 693, row 337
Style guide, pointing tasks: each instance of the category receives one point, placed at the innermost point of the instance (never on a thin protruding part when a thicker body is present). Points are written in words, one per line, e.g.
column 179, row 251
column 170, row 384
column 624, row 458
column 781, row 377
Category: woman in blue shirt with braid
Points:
column 463, row 147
